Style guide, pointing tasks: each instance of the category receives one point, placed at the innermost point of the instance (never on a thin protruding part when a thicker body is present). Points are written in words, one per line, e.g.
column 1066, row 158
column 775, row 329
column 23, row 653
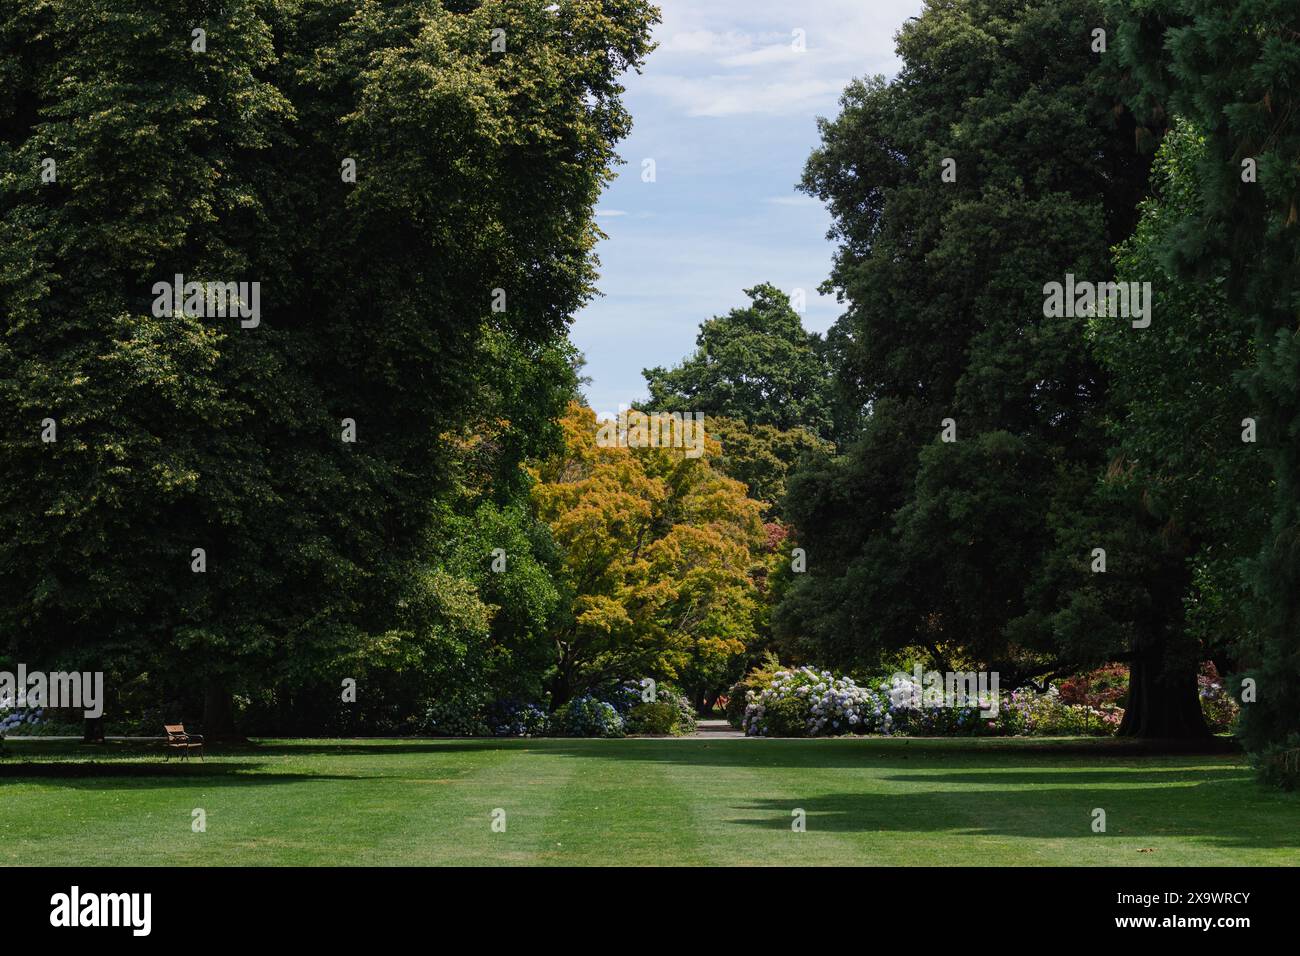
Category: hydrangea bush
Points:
column 670, row 712
column 610, row 710
column 812, row 703
column 902, row 694
column 758, row 679
column 587, row 716
column 456, row 716
column 683, row 716
column 1048, row 715
column 513, row 718
column 1218, row 704
column 12, row 718
column 621, row 695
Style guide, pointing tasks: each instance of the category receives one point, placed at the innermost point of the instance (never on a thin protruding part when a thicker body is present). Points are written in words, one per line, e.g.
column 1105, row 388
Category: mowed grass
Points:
column 639, row 801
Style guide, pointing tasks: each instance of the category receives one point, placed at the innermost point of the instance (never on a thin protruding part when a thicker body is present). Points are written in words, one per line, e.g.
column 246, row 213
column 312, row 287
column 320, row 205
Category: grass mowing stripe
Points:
column 621, row 807
column 744, row 802
column 281, row 802
column 701, row 800
column 524, row 787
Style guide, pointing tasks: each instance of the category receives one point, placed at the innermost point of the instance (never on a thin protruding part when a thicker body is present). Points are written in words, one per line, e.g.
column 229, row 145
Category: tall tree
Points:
column 1232, row 69
column 218, row 142
column 998, row 160
column 755, row 364
column 661, row 560
column 1177, row 404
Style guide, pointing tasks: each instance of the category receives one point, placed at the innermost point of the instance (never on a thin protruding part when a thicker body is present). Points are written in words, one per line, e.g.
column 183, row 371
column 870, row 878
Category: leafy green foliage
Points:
column 956, row 546
column 655, row 719
column 476, row 170
column 755, row 364
column 763, row 456
column 586, row 716
column 756, row 679
column 1232, row 70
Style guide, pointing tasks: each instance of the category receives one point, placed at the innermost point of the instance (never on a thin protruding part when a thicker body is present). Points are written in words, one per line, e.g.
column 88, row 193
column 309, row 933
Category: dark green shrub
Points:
column 684, row 718
column 659, row 719
column 758, row 679
column 587, row 717
column 786, row 717
column 1279, row 764
column 460, row 715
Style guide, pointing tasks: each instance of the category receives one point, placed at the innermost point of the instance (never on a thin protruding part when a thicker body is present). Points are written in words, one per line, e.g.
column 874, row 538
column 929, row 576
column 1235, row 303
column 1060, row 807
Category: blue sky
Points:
column 726, row 108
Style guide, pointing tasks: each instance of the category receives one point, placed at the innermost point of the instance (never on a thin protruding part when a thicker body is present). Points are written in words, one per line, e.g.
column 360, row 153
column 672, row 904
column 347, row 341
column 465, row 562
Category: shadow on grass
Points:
column 973, row 759
column 27, row 749
column 115, row 775
column 1144, row 813
column 1025, row 790
column 1001, row 776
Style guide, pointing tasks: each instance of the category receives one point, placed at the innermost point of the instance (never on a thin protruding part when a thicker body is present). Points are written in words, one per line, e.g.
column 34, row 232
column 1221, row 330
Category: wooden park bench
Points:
column 179, row 740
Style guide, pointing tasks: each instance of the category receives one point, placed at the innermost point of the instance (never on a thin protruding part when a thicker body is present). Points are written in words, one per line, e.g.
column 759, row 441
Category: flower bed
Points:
column 814, row 703
column 811, row 703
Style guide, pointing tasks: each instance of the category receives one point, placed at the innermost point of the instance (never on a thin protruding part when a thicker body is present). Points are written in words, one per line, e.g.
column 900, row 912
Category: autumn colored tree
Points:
column 660, row 558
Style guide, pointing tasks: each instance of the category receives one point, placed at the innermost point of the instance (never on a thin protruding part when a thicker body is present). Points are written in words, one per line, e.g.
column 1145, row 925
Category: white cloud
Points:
column 700, row 45
column 726, row 106
column 796, row 200
column 704, row 43
column 610, row 213
column 740, row 94
column 777, row 53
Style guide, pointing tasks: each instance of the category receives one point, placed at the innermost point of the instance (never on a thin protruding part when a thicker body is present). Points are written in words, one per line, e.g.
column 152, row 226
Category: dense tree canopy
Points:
column 352, row 448
column 1232, row 70
column 663, row 557
column 755, row 364
column 999, row 160
column 224, row 157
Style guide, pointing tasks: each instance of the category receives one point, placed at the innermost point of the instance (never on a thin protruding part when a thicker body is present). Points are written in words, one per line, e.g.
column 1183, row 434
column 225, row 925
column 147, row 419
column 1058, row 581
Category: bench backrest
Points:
column 175, row 730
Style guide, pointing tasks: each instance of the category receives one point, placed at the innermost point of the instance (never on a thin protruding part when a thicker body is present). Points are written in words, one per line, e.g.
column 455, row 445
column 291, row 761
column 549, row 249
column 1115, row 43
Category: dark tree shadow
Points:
column 1041, row 813
column 28, row 749
column 122, row 776
column 975, row 757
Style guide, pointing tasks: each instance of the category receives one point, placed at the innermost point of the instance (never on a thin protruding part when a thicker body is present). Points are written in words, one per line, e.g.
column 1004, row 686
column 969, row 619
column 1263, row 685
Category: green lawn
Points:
column 689, row 801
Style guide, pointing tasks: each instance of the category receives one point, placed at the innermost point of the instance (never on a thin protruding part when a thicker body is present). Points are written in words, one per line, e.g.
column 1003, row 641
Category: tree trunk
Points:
column 561, row 689
column 1163, row 703
column 218, row 712
column 561, row 684
column 92, row 730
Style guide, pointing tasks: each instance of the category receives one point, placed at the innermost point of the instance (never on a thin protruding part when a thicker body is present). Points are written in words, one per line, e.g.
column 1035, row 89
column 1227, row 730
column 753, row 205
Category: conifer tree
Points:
column 1231, row 68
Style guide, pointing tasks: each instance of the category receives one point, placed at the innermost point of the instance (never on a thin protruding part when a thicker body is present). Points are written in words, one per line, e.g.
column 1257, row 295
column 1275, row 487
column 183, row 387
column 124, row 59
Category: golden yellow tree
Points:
column 661, row 555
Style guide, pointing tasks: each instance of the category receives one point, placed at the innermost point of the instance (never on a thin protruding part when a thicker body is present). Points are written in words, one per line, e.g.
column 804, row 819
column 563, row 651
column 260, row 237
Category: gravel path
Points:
column 716, row 728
